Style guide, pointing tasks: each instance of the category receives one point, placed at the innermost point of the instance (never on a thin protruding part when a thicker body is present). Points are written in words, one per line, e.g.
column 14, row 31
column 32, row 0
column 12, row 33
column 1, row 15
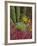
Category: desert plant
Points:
column 12, row 14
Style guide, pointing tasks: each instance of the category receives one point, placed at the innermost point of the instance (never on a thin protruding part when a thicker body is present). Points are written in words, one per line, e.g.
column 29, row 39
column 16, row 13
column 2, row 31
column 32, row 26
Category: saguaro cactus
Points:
column 17, row 13
column 12, row 14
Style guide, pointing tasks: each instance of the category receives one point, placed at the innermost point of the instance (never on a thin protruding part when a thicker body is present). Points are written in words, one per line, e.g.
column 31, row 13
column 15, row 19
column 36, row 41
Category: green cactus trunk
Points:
column 17, row 13
column 12, row 14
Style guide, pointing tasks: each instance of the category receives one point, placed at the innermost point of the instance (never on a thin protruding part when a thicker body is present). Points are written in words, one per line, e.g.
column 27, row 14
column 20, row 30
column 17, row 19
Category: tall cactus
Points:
column 12, row 14
column 17, row 13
